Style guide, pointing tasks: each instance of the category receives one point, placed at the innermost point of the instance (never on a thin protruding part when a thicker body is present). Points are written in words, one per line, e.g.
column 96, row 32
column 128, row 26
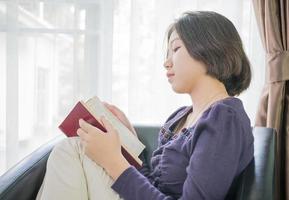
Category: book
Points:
column 91, row 111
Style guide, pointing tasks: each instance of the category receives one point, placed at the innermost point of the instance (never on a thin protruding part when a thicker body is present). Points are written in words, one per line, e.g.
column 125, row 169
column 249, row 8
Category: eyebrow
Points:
column 177, row 38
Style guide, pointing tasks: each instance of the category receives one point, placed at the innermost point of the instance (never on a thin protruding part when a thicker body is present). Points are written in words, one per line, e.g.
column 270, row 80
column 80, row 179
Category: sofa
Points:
column 23, row 181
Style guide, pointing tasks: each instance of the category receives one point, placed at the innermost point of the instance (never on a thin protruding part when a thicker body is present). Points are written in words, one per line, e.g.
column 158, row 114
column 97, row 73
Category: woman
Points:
column 202, row 147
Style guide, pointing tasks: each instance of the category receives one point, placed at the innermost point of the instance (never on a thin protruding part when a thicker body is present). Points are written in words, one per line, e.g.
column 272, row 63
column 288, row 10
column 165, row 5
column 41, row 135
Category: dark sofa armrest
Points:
column 26, row 177
column 257, row 181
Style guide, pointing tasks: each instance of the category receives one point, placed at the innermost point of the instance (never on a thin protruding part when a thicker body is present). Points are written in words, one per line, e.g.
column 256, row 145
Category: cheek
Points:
column 182, row 62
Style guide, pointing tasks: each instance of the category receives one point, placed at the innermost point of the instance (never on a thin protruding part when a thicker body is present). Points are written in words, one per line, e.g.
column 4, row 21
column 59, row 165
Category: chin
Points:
column 178, row 90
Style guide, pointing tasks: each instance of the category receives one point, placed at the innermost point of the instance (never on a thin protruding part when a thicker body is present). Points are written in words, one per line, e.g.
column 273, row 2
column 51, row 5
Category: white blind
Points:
column 52, row 53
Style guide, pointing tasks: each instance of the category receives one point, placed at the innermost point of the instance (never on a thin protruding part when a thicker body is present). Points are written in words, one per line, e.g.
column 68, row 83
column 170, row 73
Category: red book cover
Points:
column 71, row 123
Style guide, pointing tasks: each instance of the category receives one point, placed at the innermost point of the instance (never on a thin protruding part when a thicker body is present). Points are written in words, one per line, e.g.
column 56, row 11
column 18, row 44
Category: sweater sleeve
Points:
column 215, row 153
column 145, row 168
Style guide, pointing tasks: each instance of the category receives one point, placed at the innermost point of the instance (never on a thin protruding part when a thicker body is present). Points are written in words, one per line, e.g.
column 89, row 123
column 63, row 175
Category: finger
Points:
column 105, row 104
column 107, row 124
column 86, row 126
column 108, row 106
column 115, row 108
column 111, row 108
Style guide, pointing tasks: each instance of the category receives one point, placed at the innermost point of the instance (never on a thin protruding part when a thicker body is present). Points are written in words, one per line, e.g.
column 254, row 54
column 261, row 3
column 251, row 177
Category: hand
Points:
column 121, row 116
column 103, row 148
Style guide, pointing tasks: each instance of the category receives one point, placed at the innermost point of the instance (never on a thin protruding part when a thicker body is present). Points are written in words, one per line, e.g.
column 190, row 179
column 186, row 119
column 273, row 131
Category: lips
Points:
column 169, row 75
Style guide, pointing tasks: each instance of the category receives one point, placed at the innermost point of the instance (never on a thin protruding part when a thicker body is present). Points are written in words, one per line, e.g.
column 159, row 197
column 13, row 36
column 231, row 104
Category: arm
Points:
column 214, row 161
column 145, row 169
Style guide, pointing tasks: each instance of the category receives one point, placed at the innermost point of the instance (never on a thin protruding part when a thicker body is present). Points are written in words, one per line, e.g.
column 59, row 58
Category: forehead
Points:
column 173, row 36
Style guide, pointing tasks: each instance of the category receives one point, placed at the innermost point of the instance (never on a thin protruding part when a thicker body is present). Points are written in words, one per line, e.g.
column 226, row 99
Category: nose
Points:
column 168, row 63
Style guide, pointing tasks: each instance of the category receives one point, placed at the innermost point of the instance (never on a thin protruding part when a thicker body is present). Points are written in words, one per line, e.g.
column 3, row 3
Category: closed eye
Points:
column 175, row 49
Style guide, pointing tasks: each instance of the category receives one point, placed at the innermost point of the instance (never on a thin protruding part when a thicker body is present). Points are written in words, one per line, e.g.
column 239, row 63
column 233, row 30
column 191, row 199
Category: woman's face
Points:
column 183, row 71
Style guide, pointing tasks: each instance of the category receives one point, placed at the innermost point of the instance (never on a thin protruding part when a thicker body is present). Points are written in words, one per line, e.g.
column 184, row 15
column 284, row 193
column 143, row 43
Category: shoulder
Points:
column 224, row 119
column 227, row 110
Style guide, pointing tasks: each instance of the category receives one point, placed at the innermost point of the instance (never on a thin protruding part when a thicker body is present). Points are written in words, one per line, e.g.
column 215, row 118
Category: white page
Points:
column 127, row 138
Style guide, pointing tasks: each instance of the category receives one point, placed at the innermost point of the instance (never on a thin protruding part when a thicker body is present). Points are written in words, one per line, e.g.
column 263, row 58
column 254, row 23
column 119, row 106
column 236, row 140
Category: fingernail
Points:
column 80, row 121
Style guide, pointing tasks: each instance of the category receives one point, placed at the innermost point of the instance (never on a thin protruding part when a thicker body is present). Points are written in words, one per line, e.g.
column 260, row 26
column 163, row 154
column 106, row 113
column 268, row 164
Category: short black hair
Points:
column 211, row 38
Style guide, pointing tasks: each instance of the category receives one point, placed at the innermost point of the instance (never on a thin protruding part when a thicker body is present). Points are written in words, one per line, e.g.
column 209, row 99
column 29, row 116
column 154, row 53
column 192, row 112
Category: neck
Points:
column 208, row 91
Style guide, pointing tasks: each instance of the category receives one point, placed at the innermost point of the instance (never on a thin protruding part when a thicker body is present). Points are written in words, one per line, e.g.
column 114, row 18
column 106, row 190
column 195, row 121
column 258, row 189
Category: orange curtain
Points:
column 273, row 21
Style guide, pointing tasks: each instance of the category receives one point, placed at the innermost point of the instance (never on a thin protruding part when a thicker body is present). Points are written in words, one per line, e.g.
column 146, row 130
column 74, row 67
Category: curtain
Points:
column 273, row 21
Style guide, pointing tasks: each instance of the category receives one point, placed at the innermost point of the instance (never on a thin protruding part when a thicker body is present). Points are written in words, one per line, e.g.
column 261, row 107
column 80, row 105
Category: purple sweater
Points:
column 201, row 162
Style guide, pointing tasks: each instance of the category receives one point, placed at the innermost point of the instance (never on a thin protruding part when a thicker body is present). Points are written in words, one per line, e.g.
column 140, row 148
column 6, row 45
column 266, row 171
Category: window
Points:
column 51, row 54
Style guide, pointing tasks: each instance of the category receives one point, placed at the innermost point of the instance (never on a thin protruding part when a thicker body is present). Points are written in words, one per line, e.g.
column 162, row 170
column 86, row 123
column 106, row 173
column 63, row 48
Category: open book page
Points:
column 128, row 139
